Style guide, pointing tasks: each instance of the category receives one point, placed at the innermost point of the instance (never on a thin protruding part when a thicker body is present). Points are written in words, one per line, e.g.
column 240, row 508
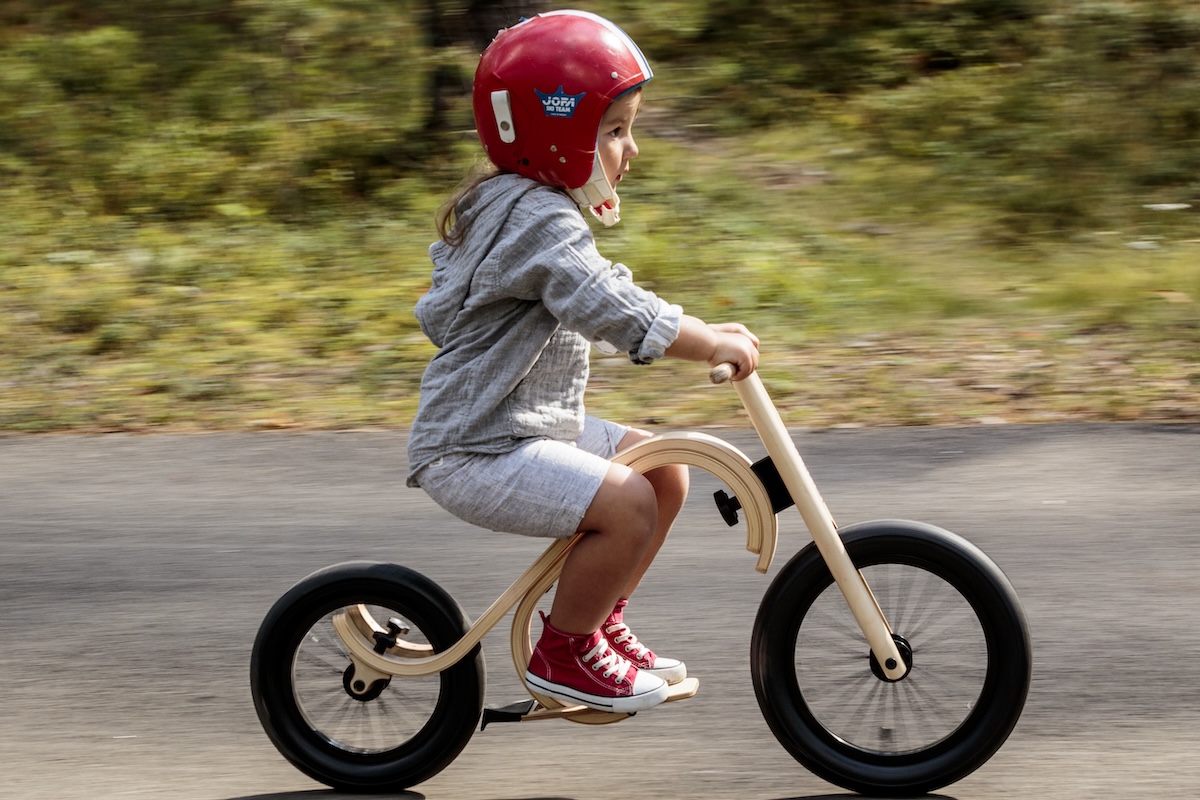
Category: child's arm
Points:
column 724, row 343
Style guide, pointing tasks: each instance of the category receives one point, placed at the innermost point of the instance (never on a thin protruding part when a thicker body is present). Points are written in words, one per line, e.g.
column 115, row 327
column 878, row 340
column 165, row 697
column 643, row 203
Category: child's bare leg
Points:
column 670, row 489
column 621, row 523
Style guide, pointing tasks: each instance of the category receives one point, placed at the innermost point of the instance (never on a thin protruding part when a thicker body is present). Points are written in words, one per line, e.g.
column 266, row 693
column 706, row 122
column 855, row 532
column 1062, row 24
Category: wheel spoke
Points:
column 322, row 654
column 376, row 725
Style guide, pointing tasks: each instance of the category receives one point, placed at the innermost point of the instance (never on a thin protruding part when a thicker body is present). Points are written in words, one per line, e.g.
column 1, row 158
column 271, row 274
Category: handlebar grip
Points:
column 722, row 373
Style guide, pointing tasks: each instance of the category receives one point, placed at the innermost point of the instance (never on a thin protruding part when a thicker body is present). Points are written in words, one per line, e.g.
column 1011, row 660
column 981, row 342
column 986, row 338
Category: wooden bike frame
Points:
column 356, row 627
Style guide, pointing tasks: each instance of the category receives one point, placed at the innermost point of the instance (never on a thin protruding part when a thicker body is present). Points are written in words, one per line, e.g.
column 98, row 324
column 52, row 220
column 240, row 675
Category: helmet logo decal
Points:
column 559, row 103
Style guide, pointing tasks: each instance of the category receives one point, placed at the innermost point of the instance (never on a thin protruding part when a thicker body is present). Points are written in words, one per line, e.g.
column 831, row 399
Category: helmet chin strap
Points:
column 598, row 196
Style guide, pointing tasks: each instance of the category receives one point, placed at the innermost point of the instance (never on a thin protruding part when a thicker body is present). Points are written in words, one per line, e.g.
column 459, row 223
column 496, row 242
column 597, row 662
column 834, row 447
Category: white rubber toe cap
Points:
column 670, row 670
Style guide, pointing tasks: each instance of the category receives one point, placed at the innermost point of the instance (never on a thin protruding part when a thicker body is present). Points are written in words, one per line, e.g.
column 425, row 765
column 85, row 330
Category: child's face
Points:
column 615, row 145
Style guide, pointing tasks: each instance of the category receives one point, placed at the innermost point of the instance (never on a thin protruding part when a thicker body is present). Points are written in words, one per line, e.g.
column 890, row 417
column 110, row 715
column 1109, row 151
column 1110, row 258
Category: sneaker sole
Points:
column 616, row 705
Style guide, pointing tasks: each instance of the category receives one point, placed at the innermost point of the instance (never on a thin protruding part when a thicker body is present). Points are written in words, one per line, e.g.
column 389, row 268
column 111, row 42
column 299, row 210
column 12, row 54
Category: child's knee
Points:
column 642, row 501
column 637, row 508
column 626, row 504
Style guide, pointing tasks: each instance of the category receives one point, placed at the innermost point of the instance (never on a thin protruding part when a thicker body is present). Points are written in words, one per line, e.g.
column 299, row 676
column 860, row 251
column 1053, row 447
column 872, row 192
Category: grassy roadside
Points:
column 873, row 312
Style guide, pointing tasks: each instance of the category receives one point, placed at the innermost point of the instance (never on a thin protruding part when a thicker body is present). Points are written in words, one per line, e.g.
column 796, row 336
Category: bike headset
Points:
column 542, row 88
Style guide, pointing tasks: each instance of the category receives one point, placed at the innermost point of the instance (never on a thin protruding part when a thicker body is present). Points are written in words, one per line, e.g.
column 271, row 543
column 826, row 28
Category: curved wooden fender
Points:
column 729, row 465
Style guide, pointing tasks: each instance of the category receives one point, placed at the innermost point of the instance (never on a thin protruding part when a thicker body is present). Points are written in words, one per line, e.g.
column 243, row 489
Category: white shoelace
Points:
column 609, row 659
column 626, row 638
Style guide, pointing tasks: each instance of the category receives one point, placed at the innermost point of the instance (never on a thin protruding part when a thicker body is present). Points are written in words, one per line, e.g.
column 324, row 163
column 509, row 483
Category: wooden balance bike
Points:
column 888, row 657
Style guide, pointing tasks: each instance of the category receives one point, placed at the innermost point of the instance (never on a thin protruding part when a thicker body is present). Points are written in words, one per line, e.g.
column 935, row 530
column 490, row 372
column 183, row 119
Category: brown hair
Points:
column 449, row 229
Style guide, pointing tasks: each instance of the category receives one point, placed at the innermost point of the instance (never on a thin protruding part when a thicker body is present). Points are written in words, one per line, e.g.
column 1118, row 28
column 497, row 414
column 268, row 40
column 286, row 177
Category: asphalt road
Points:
column 134, row 572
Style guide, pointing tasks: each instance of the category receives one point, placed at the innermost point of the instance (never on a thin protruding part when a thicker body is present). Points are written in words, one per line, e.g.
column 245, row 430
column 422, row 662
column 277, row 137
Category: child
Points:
column 518, row 294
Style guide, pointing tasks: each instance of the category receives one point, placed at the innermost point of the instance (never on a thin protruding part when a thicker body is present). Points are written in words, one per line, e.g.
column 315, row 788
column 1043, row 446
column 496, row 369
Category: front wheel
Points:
column 952, row 612
column 355, row 736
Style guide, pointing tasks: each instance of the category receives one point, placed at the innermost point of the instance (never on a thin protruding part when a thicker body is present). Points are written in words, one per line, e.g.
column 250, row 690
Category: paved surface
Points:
column 134, row 572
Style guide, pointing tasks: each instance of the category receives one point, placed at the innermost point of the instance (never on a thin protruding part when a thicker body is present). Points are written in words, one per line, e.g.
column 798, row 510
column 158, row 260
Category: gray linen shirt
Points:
column 513, row 310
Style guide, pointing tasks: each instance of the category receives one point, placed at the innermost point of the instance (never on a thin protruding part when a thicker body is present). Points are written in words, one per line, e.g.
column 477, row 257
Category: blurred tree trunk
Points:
column 453, row 24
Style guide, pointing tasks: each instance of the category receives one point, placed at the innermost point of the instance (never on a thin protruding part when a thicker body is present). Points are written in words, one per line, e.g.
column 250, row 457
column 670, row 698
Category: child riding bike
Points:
column 519, row 295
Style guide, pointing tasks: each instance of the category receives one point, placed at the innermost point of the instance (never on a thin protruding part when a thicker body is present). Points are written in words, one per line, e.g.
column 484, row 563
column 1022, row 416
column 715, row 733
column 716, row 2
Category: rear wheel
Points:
column 364, row 733
column 956, row 621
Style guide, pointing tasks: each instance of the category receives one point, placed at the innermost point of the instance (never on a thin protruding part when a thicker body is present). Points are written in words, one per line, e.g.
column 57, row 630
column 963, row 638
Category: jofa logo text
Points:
column 559, row 103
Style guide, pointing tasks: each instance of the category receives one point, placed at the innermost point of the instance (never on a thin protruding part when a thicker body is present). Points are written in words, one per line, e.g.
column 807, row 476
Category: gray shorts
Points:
column 541, row 489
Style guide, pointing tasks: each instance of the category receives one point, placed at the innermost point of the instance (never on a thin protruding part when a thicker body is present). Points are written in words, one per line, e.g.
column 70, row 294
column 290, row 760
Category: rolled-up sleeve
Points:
column 663, row 332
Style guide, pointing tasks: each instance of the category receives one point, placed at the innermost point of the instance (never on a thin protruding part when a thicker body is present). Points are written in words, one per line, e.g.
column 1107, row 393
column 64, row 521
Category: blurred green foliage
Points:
column 173, row 108
column 217, row 210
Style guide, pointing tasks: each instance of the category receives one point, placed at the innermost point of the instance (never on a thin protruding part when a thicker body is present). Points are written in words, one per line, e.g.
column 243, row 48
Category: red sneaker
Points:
column 627, row 646
column 583, row 669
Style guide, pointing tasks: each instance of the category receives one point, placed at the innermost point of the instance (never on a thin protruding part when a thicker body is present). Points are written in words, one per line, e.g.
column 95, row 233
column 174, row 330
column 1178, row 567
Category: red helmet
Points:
column 541, row 90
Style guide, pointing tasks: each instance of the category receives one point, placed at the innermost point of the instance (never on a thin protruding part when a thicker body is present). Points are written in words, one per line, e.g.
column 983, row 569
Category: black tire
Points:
column 831, row 708
column 406, row 729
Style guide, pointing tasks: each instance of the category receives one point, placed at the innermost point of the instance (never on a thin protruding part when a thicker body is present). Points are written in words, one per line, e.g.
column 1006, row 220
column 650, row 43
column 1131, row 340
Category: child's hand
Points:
column 720, row 343
column 735, row 345
column 734, row 327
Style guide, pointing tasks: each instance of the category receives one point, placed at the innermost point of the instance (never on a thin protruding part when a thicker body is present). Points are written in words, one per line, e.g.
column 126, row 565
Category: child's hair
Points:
column 449, row 228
